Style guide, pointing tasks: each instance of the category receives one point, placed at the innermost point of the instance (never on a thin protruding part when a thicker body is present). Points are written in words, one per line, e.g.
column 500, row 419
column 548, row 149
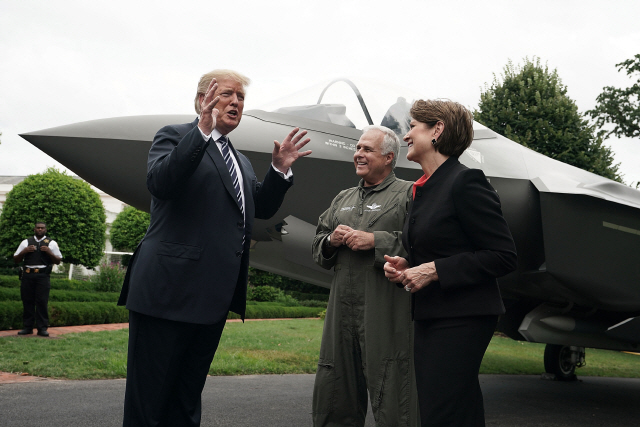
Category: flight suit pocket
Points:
column 324, row 389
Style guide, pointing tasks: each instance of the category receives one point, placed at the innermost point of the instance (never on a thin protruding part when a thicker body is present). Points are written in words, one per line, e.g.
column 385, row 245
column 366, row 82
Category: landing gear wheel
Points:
column 558, row 361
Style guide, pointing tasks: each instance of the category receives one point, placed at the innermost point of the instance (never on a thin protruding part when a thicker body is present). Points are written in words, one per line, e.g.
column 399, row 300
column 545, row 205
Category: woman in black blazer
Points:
column 458, row 244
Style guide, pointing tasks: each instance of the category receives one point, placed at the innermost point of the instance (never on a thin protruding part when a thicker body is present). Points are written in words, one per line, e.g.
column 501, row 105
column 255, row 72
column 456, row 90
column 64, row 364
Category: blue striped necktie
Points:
column 226, row 153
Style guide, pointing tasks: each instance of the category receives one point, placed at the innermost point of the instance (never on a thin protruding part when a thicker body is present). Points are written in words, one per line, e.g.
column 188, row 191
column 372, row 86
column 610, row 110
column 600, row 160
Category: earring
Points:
column 433, row 141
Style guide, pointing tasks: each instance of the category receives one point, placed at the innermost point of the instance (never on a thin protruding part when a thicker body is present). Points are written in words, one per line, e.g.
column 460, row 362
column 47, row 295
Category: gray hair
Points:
column 390, row 142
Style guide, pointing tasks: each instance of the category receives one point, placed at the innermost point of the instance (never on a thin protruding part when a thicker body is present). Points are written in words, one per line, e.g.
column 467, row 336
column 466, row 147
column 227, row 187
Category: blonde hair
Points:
column 458, row 123
column 203, row 84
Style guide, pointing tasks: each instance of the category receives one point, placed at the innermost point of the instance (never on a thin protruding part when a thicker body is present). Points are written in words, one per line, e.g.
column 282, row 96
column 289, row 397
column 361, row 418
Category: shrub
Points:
column 56, row 283
column 66, row 314
column 9, row 282
column 263, row 293
column 262, row 278
column 313, row 303
column 109, row 278
column 10, row 315
column 71, row 285
column 267, row 311
column 286, row 300
column 85, row 313
column 71, row 208
column 13, row 294
column 323, row 314
column 128, row 229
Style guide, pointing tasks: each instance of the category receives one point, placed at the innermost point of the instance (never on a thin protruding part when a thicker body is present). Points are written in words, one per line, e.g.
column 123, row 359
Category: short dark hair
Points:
column 40, row 222
column 458, row 123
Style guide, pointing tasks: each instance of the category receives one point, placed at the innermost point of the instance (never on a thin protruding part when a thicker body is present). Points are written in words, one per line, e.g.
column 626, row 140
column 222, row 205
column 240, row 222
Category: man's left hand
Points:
column 45, row 249
column 289, row 151
column 358, row 240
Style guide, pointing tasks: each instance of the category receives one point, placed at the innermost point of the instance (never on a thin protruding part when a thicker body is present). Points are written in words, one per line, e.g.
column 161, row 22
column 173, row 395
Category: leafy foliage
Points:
column 66, row 313
column 109, row 278
column 72, row 210
column 621, row 106
column 270, row 294
column 129, row 228
column 530, row 106
column 264, row 278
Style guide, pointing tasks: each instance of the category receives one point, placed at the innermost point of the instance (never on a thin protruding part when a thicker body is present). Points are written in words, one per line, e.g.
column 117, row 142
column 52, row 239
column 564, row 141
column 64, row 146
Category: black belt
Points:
column 39, row 270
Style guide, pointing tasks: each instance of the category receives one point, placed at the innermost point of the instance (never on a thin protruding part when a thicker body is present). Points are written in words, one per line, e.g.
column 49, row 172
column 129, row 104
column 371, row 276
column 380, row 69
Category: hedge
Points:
column 13, row 294
column 303, row 296
column 60, row 284
column 268, row 311
column 96, row 313
column 66, row 314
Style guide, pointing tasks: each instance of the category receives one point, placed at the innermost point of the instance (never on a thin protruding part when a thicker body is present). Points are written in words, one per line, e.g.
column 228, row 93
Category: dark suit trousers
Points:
column 34, row 292
column 448, row 353
column 167, row 367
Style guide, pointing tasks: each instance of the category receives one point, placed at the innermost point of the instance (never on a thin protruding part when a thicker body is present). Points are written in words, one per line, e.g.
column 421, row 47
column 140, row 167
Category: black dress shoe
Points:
column 25, row 331
column 43, row 333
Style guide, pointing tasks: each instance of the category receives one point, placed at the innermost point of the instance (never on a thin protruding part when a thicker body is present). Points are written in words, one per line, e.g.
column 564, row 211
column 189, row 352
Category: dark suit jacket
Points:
column 456, row 221
column 191, row 265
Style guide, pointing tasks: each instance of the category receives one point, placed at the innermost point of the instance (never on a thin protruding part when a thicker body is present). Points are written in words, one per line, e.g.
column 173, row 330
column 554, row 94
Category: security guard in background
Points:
column 39, row 253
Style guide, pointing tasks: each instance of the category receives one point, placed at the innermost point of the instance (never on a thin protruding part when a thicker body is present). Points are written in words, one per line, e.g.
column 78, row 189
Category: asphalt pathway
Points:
column 285, row 400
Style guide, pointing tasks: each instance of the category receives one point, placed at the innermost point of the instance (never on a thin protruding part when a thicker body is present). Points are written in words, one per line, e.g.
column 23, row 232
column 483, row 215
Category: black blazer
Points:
column 191, row 265
column 456, row 221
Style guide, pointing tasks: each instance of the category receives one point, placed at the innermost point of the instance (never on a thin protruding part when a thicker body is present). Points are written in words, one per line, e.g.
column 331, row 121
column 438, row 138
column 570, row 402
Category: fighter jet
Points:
column 577, row 234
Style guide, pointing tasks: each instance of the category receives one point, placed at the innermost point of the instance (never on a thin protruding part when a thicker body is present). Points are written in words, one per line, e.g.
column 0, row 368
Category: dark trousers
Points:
column 448, row 353
column 34, row 292
column 167, row 367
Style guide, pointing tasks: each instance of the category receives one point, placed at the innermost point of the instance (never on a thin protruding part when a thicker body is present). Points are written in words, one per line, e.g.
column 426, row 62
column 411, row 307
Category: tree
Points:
column 129, row 228
column 530, row 106
column 73, row 213
column 620, row 106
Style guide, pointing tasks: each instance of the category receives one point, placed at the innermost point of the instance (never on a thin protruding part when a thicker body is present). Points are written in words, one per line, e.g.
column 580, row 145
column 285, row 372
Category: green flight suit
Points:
column 367, row 342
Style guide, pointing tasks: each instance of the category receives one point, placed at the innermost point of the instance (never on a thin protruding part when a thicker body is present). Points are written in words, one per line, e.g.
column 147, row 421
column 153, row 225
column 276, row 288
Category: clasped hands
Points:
column 355, row 240
column 397, row 270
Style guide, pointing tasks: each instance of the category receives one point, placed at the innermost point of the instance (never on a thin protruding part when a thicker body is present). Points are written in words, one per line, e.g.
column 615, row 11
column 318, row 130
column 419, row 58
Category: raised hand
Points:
column 209, row 114
column 394, row 268
column 289, row 151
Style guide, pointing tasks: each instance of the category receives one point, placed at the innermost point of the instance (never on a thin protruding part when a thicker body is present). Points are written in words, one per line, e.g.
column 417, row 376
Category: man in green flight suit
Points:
column 367, row 342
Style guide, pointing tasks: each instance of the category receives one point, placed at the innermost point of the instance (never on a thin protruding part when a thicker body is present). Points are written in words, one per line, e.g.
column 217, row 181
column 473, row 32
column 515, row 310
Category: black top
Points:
column 456, row 220
column 36, row 258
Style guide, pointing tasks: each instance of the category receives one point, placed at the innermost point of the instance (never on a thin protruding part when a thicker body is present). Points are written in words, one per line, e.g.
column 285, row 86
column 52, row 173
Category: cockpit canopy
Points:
column 341, row 102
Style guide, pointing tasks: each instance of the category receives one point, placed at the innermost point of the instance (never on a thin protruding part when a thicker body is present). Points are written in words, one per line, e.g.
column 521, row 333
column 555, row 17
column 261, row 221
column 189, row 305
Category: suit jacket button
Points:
column 418, row 193
column 413, row 220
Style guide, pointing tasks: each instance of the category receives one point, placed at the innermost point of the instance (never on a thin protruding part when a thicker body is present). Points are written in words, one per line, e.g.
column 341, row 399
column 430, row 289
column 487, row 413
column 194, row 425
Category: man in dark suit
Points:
column 191, row 267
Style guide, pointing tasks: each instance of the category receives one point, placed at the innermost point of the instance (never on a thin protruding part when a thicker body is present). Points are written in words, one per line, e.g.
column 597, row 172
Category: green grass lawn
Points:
column 266, row 347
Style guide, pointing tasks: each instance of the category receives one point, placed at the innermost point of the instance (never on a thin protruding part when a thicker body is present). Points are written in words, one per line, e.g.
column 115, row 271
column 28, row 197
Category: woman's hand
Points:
column 394, row 268
column 419, row 277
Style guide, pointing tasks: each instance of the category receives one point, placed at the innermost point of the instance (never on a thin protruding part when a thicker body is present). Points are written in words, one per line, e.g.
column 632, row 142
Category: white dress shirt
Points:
column 215, row 134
